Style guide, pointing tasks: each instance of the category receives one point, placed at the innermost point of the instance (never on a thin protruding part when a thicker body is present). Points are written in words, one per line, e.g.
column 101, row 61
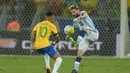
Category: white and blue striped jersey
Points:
column 83, row 22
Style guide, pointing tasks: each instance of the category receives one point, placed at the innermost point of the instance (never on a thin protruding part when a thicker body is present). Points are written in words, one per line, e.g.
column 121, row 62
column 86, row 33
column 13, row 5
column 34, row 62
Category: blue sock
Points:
column 77, row 63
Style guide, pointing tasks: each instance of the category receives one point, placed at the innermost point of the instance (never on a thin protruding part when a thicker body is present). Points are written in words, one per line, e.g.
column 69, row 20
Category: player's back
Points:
column 43, row 32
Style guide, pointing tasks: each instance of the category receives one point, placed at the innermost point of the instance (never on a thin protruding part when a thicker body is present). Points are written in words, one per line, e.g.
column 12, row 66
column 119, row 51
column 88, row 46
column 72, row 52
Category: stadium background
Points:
column 104, row 13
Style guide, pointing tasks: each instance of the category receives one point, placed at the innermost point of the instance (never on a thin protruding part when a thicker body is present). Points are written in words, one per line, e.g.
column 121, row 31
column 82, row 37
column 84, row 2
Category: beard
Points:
column 76, row 15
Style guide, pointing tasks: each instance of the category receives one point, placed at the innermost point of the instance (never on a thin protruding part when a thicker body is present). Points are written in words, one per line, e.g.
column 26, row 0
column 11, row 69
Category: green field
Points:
column 27, row 64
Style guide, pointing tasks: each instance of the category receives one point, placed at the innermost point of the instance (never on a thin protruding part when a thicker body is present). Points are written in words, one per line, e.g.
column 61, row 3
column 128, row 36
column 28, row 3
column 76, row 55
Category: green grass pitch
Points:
column 27, row 64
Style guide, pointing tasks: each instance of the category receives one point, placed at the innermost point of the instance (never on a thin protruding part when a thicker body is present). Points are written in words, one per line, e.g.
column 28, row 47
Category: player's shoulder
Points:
column 51, row 24
column 48, row 22
column 83, row 12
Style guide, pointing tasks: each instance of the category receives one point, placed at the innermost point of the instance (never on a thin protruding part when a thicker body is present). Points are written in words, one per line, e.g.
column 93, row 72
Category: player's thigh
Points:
column 57, row 55
column 53, row 53
column 93, row 35
column 41, row 51
column 83, row 46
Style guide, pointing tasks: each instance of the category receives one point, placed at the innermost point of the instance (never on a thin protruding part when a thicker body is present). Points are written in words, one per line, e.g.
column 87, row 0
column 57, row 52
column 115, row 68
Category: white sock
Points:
column 47, row 61
column 76, row 65
column 57, row 65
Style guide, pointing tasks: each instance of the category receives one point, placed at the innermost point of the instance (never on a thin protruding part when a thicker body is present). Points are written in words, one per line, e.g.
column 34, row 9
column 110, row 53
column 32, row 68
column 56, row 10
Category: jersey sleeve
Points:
column 81, row 13
column 54, row 29
column 75, row 23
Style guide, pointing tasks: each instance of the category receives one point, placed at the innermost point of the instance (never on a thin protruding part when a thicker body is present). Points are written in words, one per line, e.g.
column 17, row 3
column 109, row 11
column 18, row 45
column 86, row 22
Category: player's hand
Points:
column 85, row 28
column 79, row 18
column 53, row 43
column 67, row 37
column 32, row 49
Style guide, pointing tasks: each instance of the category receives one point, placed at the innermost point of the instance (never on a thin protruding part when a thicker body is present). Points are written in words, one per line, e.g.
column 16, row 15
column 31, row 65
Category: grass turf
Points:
column 27, row 64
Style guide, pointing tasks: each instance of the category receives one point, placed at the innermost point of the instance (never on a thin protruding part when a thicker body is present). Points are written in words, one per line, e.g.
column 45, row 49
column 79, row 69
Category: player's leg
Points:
column 83, row 46
column 47, row 60
column 56, row 56
column 58, row 61
column 94, row 35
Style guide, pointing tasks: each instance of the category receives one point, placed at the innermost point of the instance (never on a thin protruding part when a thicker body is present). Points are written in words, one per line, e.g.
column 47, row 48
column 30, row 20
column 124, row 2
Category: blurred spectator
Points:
column 41, row 4
column 13, row 26
column 70, row 2
column 26, row 15
column 114, row 10
column 101, row 8
column 88, row 5
column 65, row 11
column 56, row 7
column 108, row 8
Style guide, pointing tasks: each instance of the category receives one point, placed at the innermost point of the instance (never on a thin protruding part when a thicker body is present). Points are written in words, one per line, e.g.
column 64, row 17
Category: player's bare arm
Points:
column 85, row 14
column 33, row 33
column 57, row 38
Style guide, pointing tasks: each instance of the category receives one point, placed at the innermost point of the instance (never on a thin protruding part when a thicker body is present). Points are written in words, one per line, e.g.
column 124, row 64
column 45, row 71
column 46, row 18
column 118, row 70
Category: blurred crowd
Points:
column 28, row 12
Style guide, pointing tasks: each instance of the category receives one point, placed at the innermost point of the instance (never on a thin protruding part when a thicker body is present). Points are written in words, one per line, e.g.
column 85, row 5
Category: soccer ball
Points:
column 69, row 30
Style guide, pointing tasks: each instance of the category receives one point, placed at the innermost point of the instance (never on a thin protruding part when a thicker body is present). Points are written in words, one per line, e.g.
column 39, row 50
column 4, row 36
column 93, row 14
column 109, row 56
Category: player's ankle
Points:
column 47, row 66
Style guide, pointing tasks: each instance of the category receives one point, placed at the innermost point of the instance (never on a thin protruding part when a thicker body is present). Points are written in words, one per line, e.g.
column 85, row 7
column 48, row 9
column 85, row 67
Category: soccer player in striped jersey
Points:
column 84, row 23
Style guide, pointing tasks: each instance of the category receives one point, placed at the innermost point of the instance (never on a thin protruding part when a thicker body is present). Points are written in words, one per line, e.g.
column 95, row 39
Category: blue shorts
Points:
column 49, row 50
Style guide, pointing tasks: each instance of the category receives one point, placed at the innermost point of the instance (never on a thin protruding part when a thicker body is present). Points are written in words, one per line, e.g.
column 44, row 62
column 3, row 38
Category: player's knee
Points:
column 80, row 52
column 57, row 55
column 59, row 59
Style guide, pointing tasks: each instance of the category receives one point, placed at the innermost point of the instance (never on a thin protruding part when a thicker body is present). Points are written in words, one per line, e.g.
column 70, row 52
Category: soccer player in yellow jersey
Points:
column 40, row 40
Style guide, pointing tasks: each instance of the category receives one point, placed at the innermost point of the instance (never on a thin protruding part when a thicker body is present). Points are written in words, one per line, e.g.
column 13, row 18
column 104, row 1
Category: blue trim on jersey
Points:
column 82, row 33
column 87, row 21
column 49, row 50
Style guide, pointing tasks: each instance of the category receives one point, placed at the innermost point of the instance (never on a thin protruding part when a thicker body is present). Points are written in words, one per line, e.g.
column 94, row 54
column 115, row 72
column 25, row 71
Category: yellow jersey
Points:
column 43, row 32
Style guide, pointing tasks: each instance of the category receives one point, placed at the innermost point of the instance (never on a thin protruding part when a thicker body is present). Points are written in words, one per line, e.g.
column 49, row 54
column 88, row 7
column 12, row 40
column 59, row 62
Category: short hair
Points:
column 49, row 14
column 73, row 7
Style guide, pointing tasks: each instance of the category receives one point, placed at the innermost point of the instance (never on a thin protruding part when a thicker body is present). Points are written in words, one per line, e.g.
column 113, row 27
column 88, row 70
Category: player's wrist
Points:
column 53, row 43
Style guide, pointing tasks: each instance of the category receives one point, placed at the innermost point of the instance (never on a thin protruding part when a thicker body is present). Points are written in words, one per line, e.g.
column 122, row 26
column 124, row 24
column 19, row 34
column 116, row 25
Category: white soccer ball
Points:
column 69, row 30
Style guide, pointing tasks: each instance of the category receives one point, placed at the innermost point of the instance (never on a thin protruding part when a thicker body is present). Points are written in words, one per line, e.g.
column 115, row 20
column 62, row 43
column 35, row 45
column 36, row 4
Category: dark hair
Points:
column 73, row 7
column 49, row 14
